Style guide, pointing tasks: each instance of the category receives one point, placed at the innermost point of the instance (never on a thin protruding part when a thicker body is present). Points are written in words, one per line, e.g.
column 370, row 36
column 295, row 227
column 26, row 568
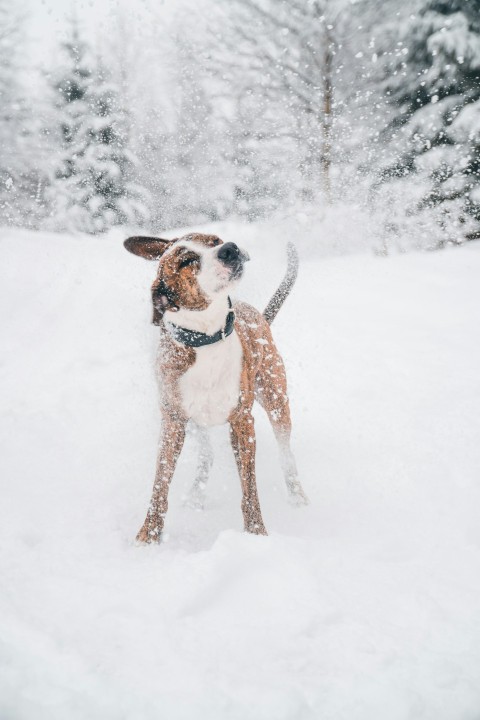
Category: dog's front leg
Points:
column 196, row 497
column 171, row 443
column 242, row 432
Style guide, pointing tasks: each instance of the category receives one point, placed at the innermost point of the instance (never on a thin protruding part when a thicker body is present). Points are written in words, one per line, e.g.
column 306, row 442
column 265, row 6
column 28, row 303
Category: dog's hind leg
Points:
column 271, row 393
column 196, row 496
column 282, row 429
column 296, row 494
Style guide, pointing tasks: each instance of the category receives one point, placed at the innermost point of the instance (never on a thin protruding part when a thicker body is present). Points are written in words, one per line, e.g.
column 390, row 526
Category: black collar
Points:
column 193, row 338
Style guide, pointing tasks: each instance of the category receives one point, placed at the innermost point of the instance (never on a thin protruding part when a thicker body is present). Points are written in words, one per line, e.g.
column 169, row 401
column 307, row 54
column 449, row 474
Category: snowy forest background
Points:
column 244, row 109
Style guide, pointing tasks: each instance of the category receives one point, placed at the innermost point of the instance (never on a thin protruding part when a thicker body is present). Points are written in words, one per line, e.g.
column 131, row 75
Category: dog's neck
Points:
column 206, row 321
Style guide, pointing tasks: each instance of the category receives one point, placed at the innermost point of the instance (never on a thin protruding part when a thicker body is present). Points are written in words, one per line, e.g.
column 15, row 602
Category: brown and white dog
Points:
column 214, row 360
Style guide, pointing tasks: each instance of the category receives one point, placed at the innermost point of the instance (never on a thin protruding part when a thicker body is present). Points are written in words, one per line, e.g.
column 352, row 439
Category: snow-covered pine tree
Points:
column 433, row 79
column 93, row 187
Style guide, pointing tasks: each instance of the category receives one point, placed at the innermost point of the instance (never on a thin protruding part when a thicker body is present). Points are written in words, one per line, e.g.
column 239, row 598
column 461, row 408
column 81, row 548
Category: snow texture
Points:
column 363, row 606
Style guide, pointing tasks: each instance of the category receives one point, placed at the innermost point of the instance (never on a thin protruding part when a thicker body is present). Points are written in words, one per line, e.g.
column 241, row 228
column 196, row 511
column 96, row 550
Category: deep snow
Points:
column 364, row 606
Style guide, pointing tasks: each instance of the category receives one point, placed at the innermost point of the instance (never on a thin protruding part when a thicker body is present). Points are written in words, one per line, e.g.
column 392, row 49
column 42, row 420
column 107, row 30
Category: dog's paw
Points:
column 256, row 529
column 296, row 495
column 148, row 535
column 195, row 500
column 194, row 503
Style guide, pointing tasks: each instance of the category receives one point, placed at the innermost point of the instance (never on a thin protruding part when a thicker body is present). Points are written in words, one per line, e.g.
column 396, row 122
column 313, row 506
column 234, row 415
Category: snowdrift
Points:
column 363, row 606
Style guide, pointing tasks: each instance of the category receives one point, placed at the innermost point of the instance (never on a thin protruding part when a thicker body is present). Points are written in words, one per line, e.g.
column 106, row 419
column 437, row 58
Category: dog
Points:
column 215, row 358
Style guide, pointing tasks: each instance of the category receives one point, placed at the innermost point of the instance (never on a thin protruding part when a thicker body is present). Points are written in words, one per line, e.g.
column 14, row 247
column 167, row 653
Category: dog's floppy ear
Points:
column 150, row 248
column 163, row 298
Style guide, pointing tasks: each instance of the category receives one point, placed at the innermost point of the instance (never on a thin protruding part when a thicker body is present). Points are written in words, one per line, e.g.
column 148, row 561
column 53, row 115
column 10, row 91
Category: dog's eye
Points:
column 188, row 261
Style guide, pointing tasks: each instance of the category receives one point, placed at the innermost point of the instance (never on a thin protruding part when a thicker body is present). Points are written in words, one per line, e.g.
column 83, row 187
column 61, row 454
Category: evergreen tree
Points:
column 93, row 186
column 433, row 79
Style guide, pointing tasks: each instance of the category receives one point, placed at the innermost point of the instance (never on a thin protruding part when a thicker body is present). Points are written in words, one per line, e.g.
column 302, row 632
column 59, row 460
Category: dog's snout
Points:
column 229, row 253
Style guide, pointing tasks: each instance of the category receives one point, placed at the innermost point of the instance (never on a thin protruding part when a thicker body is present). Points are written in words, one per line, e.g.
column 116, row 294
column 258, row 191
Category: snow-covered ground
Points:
column 363, row 606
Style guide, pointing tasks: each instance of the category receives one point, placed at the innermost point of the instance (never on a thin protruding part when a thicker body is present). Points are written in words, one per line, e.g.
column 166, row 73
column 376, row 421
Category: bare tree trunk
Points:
column 326, row 119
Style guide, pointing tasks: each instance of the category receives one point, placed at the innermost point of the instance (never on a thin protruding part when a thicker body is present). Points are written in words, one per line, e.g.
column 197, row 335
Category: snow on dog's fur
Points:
column 216, row 383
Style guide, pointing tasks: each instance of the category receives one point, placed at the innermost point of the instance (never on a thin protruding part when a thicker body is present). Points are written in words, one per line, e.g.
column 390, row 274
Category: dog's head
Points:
column 193, row 270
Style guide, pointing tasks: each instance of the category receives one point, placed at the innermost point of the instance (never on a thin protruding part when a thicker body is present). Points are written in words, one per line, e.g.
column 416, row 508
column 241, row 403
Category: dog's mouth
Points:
column 226, row 274
column 232, row 260
column 236, row 271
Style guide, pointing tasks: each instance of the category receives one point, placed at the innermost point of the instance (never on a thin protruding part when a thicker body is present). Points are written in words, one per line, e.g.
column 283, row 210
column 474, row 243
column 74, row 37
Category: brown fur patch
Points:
column 263, row 373
column 208, row 240
column 180, row 283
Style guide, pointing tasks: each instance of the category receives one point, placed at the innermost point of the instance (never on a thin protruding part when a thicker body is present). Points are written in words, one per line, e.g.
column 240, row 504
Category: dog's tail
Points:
column 285, row 286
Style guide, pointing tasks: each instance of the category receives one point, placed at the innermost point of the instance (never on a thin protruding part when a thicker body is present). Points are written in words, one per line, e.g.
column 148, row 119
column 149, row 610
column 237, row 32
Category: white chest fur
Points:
column 211, row 386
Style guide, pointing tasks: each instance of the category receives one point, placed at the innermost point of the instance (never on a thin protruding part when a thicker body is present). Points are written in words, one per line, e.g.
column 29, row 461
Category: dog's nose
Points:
column 228, row 253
